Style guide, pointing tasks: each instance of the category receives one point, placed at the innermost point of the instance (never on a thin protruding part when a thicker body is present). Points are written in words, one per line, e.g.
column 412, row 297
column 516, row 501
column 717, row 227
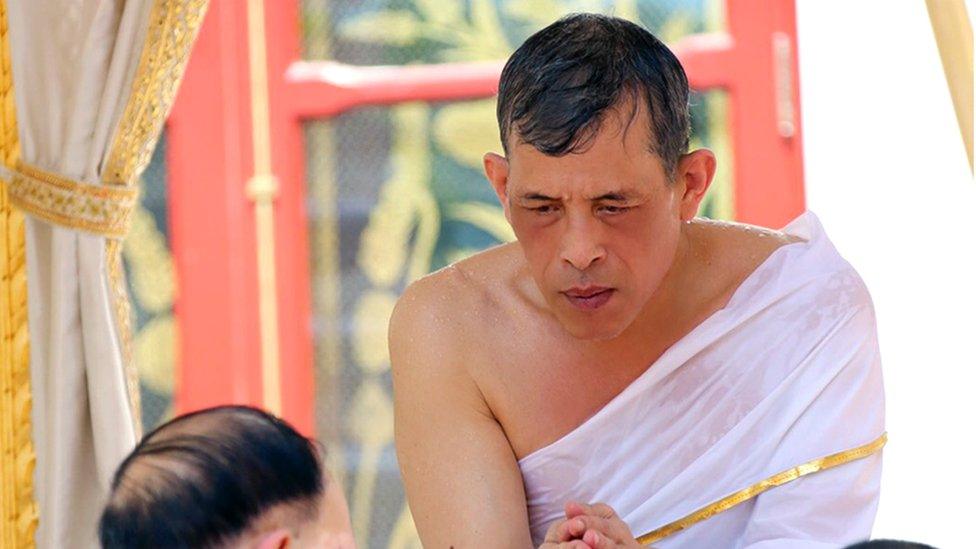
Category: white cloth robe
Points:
column 787, row 372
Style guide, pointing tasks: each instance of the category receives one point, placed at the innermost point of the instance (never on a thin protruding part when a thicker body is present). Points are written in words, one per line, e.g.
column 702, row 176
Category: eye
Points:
column 613, row 210
column 544, row 210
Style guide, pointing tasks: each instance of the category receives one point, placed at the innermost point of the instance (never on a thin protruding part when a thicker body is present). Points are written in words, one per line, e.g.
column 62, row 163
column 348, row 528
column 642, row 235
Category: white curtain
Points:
column 93, row 81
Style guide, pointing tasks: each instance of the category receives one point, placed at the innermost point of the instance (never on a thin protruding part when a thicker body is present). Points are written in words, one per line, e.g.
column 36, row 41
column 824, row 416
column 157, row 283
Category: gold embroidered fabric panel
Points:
column 93, row 208
column 18, row 510
column 173, row 27
column 728, row 502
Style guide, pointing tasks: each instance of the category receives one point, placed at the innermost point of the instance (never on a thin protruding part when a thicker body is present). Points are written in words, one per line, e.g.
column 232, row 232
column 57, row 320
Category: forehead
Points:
column 618, row 157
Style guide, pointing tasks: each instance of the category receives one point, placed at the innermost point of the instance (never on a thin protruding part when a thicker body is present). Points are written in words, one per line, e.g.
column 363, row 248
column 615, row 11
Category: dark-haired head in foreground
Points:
column 889, row 544
column 230, row 476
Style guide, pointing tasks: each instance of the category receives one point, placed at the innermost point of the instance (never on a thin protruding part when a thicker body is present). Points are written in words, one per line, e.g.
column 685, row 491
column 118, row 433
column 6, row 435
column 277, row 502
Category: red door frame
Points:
column 209, row 159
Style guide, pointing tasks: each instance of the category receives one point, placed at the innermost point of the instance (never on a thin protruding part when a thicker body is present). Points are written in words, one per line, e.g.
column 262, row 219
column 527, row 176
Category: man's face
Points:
column 599, row 228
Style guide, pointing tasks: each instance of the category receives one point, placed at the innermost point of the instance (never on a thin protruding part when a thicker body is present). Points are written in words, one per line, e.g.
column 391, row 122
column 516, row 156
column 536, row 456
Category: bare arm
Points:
column 461, row 477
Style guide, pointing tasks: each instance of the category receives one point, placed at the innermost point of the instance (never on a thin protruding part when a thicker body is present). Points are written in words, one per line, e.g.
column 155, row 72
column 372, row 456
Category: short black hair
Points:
column 201, row 479
column 557, row 86
column 889, row 544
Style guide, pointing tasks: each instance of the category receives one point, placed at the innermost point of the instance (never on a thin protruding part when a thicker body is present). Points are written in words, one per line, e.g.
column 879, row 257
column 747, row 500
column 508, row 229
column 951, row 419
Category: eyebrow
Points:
column 536, row 196
column 617, row 196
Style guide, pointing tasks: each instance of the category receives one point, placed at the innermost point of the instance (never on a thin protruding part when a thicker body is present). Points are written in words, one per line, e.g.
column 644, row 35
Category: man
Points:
column 226, row 477
column 625, row 368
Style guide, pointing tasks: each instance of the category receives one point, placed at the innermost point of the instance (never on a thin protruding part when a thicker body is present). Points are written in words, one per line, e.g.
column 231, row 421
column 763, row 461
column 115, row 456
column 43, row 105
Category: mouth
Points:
column 589, row 298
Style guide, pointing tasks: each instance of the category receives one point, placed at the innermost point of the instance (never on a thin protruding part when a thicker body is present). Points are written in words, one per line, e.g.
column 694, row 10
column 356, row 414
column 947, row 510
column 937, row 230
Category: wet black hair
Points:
column 557, row 87
column 202, row 488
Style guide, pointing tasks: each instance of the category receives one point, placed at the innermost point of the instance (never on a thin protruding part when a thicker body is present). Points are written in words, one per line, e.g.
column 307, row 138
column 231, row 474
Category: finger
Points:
column 566, row 530
column 602, row 510
column 570, row 530
column 614, row 528
column 595, row 540
column 597, row 524
column 575, row 509
column 574, row 544
column 551, row 531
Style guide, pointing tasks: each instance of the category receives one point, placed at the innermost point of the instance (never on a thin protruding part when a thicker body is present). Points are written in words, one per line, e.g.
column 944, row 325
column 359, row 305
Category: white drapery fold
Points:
column 94, row 80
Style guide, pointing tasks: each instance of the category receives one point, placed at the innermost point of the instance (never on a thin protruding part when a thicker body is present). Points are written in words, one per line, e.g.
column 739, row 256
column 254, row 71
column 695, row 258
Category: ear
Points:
column 279, row 539
column 496, row 169
column 694, row 174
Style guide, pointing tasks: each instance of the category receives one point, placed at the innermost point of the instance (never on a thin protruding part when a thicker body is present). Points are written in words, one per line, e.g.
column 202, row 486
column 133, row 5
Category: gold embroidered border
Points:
column 94, row 208
column 728, row 502
column 18, row 510
column 173, row 27
column 123, row 323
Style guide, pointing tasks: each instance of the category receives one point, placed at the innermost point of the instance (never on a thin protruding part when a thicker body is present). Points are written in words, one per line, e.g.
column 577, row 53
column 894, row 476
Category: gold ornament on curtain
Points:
column 18, row 510
column 173, row 27
column 92, row 208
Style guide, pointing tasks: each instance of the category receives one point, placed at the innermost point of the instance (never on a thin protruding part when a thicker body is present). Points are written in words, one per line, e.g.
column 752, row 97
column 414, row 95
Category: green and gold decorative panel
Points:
column 395, row 192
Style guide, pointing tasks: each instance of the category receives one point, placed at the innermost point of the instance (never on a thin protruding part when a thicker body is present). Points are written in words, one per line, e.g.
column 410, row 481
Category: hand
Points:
column 594, row 526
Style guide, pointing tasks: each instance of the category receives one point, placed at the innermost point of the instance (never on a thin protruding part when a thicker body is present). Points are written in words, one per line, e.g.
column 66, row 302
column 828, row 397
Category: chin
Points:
column 592, row 329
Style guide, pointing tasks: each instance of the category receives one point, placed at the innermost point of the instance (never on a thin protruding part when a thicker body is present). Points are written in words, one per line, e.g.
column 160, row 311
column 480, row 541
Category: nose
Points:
column 581, row 245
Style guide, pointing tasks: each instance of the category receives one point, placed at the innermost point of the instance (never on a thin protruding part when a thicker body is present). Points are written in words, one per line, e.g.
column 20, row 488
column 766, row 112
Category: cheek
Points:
column 646, row 247
column 539, row 242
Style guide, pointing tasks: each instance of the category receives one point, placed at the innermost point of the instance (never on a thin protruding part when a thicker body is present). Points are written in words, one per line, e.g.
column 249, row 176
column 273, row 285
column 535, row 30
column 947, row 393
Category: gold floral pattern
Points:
column 18, row 510
column 93, row 208
column 172, row 29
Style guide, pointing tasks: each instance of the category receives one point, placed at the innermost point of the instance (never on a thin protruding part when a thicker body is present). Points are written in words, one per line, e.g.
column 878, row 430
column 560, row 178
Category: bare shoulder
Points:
column 437, row 314
column 740, row 243
column 453, row 453
column 731, row 251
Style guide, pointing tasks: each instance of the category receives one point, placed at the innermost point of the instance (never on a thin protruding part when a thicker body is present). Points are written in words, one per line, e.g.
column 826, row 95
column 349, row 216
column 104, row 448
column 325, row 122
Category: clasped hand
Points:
column 594, row 526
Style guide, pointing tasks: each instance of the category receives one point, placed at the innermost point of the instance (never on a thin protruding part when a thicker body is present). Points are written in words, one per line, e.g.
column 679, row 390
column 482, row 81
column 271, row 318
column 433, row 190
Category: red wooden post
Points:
column 765, row 112
column 211, row 222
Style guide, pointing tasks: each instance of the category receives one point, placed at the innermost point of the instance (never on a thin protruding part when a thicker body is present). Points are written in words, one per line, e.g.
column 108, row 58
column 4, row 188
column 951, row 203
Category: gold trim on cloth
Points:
column 789, row 475
column 18, row 510
column 95, row 208
column 123, row 324
column 172, row 29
